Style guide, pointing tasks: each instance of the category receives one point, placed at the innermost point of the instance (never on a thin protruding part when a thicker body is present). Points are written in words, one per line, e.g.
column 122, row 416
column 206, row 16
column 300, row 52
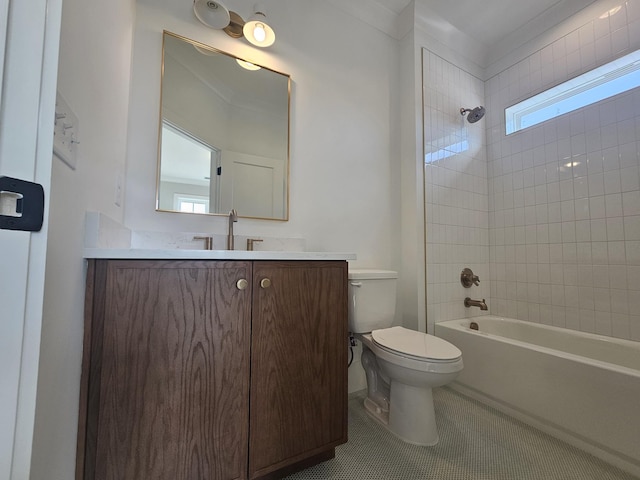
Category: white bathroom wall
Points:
column 564, row 196
column 344, row 76
column 456, row 198
column 93, row 77
column 344, row 131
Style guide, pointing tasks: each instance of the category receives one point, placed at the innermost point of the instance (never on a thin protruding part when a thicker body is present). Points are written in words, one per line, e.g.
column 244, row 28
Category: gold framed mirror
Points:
column 223, row 135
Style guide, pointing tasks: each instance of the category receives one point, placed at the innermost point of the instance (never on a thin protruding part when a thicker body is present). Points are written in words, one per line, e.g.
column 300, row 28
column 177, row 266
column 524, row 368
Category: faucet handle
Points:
column 208, row 242
column 467, row 278
column 251, row 241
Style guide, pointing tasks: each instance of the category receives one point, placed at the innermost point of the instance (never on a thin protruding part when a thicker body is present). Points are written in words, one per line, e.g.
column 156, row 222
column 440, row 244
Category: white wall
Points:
column 94, row 71
column 344, row 77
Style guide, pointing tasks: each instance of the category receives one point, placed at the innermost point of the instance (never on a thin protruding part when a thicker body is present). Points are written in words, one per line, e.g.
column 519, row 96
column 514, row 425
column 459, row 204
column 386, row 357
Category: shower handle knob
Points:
column 467, row 278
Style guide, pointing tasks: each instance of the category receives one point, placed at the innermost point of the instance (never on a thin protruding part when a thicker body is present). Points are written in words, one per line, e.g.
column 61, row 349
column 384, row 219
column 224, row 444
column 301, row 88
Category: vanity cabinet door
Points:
column 298, row 363
column 170, row 371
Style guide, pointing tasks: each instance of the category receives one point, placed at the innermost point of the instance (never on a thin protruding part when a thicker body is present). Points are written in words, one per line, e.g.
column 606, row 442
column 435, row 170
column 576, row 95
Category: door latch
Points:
column 21, row 205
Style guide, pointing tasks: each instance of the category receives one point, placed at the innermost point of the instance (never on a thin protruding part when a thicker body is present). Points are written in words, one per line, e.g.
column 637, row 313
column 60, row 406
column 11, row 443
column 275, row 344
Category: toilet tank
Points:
column 372, row 299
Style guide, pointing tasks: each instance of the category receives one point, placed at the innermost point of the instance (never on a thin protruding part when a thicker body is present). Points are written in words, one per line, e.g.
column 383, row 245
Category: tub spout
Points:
column 468, row 302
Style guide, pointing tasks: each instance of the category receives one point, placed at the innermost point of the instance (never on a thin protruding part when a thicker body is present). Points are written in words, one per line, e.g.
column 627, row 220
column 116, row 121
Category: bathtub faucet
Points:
column 468, row 302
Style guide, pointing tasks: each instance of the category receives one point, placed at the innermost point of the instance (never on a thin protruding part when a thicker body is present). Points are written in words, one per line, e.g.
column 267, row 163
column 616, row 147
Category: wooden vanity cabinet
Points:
column 191, row 373
column 298, row 364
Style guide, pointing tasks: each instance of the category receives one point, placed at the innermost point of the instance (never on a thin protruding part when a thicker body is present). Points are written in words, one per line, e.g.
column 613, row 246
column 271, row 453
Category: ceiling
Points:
column 489, row 21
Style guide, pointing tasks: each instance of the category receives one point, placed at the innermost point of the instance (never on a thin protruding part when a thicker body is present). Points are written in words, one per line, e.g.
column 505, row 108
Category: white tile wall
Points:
column 457, row 233
column 563, row 196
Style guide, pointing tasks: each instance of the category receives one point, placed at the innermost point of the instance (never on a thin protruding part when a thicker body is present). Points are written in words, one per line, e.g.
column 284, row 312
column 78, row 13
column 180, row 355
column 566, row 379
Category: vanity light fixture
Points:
column 212, row 13
column 216, row 15
column 257, row 31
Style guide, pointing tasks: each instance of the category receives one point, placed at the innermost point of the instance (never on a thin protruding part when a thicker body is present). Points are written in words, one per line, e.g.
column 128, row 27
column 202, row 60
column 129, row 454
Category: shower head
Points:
column 474, row 115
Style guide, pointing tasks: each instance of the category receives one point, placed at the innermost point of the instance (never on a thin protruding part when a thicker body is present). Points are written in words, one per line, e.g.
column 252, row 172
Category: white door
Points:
column 253, row 185
column 30, row 57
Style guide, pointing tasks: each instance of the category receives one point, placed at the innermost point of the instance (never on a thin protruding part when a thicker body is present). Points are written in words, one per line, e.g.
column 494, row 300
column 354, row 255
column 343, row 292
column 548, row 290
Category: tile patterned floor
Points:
column 477, row 442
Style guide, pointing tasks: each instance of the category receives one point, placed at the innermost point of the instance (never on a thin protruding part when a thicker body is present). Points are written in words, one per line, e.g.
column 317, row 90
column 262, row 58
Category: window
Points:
column 190, row 203
column 599, row 84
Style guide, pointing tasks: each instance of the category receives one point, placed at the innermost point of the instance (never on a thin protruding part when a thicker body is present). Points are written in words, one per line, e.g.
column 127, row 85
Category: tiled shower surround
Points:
column 561, row 242
column 457, row 233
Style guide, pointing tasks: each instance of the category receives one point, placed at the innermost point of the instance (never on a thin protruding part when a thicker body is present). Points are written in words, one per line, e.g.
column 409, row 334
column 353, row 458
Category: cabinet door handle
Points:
column 265, row 283
column 242, row 284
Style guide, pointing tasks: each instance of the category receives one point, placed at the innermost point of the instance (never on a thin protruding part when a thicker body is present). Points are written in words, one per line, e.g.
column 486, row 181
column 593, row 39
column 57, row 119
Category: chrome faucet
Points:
column 233, row 217
column 468, row 302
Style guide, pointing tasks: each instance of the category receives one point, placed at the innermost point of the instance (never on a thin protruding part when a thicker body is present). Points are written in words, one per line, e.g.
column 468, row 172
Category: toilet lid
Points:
column 416, row 344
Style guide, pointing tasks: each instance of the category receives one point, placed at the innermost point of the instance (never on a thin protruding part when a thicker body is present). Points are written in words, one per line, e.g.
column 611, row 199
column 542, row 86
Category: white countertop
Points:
column 181, row 253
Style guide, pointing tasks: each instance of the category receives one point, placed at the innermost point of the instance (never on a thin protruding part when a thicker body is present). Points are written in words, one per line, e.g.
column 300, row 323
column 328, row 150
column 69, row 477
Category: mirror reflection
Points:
column 224, row 134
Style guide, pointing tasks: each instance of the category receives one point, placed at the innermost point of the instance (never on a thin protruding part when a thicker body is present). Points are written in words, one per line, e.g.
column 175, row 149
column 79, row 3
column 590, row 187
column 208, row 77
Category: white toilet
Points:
column 402, row 365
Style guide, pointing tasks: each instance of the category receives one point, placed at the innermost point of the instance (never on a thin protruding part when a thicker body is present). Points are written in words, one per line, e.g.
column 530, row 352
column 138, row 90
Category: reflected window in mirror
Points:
column 224, row 134
column 188, row 179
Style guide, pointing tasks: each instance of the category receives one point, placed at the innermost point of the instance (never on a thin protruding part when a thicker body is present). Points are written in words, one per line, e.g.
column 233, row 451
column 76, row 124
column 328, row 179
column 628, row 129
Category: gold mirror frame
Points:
column 245, row 136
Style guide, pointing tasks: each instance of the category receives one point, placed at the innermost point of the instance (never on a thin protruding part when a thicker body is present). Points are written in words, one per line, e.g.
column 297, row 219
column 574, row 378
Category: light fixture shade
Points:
column 212, row 13
column 256, row 29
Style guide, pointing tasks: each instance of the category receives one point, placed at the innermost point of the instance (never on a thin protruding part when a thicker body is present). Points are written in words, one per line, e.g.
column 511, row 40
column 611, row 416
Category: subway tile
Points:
column 600, row 253
column 620, row 41
column 616, row 252
column 601, row 276
column 568, row 232
column 618, row 277
column 583, row 253
column 581, row 207
column 596, row 184
column 634, row 327
column 603, row 323
column 615, row 229
column 580, row 187
column 599, row 230
column 566, row 190
column 630, row 179
column 611, row 158
column 602, row 299
column 633, row 12
column 620, row 326
column 612, row 182
column 619, row 301
column 586, row 298
column 587, row 319
column 570, row 273
column 569, row 253
column 583, row 231
column 632, row 227
column 555, row 233
column 613, row 205
column 631, row 203
column 595, row 162
column 597, row 207
column 632, row 252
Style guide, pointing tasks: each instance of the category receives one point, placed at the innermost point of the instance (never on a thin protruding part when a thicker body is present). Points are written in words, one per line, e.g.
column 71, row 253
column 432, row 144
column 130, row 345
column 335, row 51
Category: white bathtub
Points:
column 579, row 387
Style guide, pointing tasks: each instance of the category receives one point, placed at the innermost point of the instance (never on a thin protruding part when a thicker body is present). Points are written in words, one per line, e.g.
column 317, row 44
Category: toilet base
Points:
column 378, row 412
column 410, row 415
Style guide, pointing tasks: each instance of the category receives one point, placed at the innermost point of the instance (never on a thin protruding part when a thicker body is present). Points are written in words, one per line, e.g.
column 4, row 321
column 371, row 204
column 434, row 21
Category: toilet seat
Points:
column 415, row 345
